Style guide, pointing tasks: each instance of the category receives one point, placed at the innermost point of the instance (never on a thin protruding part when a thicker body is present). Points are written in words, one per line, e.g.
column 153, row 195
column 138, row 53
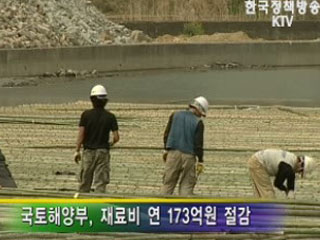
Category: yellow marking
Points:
column 138, row 200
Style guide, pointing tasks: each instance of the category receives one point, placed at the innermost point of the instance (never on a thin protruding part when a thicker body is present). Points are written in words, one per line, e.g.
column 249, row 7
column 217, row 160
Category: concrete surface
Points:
column 157, row 56
column 289, row 86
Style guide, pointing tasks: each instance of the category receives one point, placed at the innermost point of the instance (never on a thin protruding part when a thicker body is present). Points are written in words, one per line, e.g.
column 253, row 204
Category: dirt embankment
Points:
column 217, row 37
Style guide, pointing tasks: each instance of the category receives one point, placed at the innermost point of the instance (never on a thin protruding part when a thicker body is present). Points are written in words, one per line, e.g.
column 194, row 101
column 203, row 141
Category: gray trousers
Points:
column 179, row 165
column 95, row 164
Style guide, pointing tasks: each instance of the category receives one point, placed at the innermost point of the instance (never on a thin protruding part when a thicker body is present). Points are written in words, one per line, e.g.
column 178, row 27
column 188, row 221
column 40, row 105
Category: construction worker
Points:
column 94, row 130
column 283, row 166
column 183, row 142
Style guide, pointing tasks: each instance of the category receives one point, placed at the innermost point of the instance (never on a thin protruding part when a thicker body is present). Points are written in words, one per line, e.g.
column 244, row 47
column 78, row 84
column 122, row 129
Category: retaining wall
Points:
column 156, row 56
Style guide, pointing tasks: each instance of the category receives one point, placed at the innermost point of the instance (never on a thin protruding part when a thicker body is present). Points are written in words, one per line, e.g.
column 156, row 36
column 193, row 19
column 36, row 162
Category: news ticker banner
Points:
column 140, row 215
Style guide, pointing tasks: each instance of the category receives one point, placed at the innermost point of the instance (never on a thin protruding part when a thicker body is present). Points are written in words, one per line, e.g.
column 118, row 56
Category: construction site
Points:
column 263, row 94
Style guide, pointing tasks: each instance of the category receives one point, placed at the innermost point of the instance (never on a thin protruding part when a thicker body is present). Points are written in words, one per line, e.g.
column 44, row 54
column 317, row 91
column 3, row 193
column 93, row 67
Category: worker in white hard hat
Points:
column 94, row 130
column 282, row 165
column 183, row 142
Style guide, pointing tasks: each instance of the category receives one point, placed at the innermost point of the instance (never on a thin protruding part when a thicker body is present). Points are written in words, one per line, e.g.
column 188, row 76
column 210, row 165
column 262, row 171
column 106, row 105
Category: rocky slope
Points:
column 57, row 23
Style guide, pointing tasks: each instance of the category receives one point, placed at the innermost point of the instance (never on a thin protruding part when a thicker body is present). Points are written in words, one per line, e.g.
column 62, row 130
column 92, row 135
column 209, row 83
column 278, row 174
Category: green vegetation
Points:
column 111, row 7
column 193, row 29
column 235, row 6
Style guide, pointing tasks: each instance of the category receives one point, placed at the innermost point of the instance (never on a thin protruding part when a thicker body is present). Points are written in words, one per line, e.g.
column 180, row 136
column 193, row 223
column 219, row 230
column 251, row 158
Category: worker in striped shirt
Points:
column 282, row 165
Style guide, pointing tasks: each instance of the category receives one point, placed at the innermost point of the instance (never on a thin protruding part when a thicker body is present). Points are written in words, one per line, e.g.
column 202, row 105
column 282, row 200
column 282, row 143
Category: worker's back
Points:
column 98, row 123
column 182, row 132
column 270, row 158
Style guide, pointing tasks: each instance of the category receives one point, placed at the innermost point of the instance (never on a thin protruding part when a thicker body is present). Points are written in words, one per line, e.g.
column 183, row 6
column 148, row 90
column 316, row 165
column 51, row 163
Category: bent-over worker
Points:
column 283, row 165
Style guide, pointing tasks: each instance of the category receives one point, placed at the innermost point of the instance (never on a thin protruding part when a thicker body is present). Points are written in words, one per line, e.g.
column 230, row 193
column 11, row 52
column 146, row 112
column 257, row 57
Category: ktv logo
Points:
column 282, row 21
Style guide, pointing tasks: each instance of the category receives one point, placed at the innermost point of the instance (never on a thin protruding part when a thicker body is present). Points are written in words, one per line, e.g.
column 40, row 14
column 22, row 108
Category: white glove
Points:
column 199, row 168
column 77, row 157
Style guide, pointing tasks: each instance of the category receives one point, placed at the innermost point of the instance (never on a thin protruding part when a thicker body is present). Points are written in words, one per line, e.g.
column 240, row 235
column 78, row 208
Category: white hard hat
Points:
column 99, row 91
column 309, row 165
column 201, row 104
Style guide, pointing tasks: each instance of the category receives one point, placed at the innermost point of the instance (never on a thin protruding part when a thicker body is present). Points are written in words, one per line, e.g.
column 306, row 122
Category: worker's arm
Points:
column 116, row 137
column 81, row 132
column 115, row 131
column 198, row 148
column 167, row 130
column 285, row 172
column 77, row 155
column 80, row 138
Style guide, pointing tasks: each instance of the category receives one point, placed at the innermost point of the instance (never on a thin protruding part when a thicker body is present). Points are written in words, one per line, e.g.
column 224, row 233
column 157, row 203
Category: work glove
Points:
column 164, row 155
column 291, row 195
column 199, row 168
column 77, row 157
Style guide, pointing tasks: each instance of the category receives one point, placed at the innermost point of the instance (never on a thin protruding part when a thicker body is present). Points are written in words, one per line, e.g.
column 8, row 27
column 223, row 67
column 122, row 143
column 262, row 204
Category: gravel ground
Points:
column 43, row 137
column 38, row 141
